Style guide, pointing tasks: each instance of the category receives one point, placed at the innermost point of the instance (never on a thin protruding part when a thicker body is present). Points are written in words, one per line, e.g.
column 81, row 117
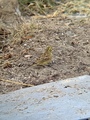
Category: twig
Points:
column 18, row 83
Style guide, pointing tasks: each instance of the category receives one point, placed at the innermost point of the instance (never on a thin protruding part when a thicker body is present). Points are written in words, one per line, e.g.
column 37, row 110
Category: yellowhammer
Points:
column 45, row 58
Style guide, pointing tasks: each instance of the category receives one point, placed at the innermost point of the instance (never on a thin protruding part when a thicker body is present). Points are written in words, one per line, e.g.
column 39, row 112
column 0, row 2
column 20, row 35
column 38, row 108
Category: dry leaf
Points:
column 27, row 37
column 7, row 56
column 7, row 64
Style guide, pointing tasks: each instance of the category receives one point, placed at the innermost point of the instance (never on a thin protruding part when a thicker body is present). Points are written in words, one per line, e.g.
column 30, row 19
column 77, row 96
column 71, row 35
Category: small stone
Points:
column 28, row 56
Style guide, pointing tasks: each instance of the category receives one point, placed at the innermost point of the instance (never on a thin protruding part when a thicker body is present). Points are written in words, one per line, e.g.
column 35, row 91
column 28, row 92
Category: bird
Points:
column 45, row 57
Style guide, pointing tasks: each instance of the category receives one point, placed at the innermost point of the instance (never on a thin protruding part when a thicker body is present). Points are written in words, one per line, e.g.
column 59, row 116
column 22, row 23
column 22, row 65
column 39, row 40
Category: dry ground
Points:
column 70, row 40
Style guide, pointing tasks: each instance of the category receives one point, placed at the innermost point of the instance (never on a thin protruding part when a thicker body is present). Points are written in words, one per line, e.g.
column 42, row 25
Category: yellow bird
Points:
column 45, row 58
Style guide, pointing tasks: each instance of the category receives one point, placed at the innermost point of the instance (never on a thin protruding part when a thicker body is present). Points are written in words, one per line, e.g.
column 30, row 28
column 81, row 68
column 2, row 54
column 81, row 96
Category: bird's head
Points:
column 49, row 49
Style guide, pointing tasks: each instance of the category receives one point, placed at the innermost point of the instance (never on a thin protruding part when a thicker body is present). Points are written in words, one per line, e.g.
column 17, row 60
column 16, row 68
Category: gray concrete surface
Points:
column 62, row 100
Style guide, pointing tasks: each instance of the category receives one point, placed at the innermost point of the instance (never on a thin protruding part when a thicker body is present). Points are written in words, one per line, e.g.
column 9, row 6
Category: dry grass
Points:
column 38, row 7
column 74, row 7
column 35, row 7
column 27, row 30
column 44, row 7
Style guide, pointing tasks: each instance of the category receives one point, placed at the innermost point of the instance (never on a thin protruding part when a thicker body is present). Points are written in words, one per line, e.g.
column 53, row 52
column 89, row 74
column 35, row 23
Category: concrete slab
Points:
column 62, row 100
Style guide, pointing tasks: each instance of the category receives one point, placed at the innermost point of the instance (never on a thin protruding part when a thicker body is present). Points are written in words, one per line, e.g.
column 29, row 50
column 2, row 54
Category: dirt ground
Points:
column 70, row 40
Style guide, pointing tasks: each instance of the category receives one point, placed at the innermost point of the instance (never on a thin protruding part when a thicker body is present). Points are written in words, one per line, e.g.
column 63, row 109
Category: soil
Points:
column 70, row 40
